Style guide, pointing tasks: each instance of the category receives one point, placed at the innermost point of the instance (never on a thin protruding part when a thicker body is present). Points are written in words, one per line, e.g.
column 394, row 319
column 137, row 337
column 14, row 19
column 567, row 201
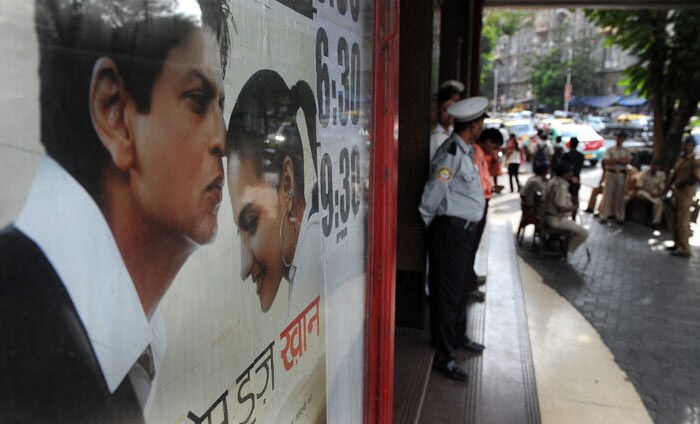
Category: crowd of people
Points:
column 673, row 193
column 464, row 167
column 620, row 183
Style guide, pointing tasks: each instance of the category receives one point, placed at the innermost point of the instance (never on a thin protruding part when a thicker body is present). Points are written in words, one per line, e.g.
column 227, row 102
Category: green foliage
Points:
column 549, row 73
column 667, row 45
column 548, row 78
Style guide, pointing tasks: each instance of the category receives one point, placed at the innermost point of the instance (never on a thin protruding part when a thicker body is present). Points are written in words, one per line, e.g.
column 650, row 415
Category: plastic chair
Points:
column 530, row 216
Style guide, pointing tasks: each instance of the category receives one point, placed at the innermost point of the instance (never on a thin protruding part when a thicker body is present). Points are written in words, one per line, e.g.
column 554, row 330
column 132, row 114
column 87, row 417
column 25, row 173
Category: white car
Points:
column 591, row 144
column 596, row 122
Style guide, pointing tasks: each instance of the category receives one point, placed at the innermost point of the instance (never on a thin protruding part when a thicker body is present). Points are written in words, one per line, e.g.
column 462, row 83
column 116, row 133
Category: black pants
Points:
column 573, row 190
column 513, row 171
column 449, row 247
column 477, row 241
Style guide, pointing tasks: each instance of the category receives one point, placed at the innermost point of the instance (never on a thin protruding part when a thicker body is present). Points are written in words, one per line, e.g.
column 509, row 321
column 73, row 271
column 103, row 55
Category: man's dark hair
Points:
column 446, row 93
column 573, row 143
column 263, row 126
column 137, row 35
column 458, row 127
column 562, row 169
column 541, row 168
column 491, row 135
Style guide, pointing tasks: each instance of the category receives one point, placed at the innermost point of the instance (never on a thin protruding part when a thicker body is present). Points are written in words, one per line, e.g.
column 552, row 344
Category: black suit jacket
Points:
column 48, row 370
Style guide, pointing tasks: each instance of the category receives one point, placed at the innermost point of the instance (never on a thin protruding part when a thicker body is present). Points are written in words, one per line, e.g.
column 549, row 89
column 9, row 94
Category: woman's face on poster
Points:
column 178, row 173
column 258, row 209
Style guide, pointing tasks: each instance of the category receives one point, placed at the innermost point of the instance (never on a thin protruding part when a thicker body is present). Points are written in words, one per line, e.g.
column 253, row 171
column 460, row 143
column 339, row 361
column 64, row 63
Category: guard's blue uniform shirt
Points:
column 454, row 187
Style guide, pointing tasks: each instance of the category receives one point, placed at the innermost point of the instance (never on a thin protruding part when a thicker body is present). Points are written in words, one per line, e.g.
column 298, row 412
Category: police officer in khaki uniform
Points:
column 452, row 206
column 616, row 160
column 649, row 186
column 684, row 176
column 558, row 206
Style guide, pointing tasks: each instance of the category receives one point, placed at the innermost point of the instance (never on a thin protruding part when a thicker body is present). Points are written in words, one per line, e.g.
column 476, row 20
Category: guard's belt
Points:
column 465, row 224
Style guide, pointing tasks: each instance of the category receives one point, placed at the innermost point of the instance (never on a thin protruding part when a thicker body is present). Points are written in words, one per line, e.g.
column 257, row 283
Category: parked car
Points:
column 596, row 122
column 523, row 129
column 493, row 122
column 591, row 144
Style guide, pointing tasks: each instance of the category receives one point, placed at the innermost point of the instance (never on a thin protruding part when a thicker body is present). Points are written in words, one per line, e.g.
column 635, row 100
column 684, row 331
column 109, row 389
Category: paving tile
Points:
column 646, row 306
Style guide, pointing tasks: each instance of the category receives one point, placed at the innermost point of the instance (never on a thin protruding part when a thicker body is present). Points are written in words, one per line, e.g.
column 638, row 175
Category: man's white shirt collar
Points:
column 64, row 221
column 439, row 129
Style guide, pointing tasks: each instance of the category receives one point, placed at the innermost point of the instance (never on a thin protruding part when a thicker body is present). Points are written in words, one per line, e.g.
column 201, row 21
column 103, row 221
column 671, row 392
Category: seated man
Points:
column 558, row 206
column 650, row 185
column 533, row 185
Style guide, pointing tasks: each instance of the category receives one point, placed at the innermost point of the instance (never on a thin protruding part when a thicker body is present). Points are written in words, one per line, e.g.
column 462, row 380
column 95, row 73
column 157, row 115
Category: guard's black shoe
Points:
column 588, row 210
column 680, row 254
column 451, row 370
column 477, row 295
column 672, row 248
column 473, row 346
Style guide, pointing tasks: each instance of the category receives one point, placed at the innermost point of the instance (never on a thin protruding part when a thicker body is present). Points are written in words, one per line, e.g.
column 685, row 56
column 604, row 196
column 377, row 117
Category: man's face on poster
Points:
column 177, row 173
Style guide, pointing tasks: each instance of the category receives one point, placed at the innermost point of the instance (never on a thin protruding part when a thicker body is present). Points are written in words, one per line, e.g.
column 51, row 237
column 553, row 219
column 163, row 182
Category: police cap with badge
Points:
column 463, row 111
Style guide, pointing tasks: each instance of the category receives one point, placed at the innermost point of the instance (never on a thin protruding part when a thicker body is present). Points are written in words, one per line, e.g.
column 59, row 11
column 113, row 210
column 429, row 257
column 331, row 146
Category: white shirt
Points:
column 64, row 221
column 437, row 137
column 514, row 157
column 617, row 154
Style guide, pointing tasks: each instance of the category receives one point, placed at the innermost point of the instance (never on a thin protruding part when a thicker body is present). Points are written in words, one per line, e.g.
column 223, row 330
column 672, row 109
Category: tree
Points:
column 548, row 75
column 495, row 24
column 667, row 45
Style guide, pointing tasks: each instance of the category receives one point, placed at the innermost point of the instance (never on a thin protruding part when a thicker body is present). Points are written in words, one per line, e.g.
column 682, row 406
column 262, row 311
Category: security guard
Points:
column 684, row 176
column 452, row 206
column 616, row 160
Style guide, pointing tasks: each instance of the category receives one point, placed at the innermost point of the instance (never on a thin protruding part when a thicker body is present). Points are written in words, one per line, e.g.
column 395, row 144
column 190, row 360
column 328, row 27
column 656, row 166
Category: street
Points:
column 642, row 301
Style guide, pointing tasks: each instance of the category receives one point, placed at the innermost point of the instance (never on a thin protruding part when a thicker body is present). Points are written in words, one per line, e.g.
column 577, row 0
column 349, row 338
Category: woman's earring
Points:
column 293, row 220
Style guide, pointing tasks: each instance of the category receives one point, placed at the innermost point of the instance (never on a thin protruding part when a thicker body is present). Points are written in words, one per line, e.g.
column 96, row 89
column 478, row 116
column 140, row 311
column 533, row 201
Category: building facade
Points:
column 543, row 31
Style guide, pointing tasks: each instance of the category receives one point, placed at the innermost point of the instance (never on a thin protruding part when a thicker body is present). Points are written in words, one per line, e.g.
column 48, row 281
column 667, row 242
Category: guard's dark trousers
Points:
column 449, row 247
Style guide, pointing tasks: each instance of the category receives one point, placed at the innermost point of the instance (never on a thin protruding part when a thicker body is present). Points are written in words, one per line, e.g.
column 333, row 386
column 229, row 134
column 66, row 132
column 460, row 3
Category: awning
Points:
column 523, row 100
column 602, row 101
column 632, row 100
column 578, row 100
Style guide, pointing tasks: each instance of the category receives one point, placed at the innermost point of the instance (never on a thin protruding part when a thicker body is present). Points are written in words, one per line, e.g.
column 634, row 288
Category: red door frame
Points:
column 381, row 250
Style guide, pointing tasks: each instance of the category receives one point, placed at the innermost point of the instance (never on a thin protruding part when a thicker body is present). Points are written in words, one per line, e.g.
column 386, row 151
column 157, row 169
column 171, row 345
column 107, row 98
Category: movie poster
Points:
column 184, row 210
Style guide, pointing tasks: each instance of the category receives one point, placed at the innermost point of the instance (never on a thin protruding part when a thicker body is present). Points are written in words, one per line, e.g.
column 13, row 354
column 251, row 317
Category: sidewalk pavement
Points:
column 644, row 303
